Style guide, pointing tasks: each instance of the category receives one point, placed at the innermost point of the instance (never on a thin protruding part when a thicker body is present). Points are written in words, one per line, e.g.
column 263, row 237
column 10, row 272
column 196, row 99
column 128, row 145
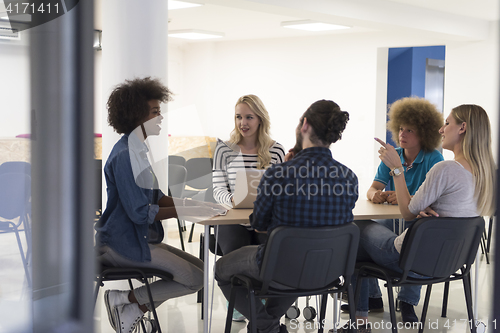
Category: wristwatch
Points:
column 396, row 172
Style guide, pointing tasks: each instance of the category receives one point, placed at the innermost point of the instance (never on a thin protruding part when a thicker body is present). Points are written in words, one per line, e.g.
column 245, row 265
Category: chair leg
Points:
column 180, row 235
column 253, row 312
column 490, row 228
column 152, row 304
column 190, row 239
column 23, row 258
column 468, row 301
column 199, row 298
column 230, row 309
column 352, row 309
column 392, row 309
column 322, row 312
column 483, row 248
column 445, row 299
column 97, row 287
column 424, row 310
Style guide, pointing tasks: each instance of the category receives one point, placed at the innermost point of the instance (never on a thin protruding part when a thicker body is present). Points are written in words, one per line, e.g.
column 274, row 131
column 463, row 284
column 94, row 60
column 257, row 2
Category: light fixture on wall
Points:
column 195, row 34
column 9, row 33
column 310, row 25
column 176, row 4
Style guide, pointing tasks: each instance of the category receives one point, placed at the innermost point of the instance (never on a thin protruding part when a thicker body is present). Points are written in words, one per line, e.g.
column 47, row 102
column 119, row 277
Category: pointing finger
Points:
column 381, row 142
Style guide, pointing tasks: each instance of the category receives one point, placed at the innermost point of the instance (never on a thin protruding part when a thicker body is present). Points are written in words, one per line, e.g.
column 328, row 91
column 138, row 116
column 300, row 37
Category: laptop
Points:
column 245, row 190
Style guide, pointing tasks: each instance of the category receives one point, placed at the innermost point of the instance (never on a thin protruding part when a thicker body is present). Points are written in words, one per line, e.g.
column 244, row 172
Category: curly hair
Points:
column 327, row 120
column 421, row 115
column 128, row 103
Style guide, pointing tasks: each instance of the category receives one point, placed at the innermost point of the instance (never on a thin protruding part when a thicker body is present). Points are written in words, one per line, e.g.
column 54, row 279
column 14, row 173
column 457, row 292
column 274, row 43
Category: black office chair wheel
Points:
column 309, row 313
column 292, row 312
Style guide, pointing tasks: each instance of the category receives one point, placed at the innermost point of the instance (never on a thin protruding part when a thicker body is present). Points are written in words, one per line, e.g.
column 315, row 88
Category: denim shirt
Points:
column 130, row 209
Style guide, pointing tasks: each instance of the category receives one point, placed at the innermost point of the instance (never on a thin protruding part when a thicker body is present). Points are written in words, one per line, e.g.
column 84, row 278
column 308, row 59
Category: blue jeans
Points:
column 243, row 261
column 407, row 294
column 377, row 244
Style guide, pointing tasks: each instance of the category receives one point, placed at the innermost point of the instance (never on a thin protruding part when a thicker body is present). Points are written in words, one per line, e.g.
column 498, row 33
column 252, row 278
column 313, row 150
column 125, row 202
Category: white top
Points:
column 448, row 189
column 228, row 161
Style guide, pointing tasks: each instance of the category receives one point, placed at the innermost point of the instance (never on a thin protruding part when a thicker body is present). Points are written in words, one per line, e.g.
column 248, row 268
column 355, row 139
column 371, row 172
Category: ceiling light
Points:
column 309, row 25
column 176, row 4
column 195, row 34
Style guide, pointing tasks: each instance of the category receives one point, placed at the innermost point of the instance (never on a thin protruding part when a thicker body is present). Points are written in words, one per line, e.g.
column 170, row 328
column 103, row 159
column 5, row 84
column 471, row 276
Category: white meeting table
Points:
column 364, row 210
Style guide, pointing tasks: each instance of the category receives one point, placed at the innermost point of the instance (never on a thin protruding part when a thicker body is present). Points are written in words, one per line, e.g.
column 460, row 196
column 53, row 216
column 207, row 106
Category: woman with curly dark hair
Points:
column 414, row 123
column 135, row 202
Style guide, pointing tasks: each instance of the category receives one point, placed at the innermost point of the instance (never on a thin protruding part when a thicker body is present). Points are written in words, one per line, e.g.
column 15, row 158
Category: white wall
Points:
column 290, row 74
column 14, row 87
column 471, row 77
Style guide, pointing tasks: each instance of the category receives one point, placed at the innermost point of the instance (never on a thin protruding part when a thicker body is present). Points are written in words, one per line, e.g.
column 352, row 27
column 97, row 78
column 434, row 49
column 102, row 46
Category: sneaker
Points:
column 375, row 305
column 345, row 329
column 113, row 298
column 408, row 313
column 126, row 317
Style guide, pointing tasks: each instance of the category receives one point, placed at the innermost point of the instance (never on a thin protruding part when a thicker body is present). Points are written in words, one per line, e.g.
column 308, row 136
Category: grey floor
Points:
column 183, row 314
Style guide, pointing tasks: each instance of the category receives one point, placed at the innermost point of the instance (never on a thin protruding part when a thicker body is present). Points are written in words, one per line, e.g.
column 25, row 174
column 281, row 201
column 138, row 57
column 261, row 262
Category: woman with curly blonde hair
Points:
column 414, row 123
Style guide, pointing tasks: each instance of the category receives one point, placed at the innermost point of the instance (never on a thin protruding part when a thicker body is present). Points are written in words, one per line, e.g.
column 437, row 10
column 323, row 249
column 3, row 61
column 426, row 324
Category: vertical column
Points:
column 134, row 40
column 61, row 62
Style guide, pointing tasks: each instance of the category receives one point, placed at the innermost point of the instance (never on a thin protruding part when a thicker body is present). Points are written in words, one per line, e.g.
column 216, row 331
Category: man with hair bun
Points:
column 310, row 189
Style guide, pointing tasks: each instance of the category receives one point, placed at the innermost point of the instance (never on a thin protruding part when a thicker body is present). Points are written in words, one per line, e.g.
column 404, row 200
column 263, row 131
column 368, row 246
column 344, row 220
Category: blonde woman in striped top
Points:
column 250, row 146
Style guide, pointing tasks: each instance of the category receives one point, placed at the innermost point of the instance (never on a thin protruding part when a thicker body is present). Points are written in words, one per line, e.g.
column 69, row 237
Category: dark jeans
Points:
column 233, row 237
column 407, row 294
column 243, row 261
column 377, row 244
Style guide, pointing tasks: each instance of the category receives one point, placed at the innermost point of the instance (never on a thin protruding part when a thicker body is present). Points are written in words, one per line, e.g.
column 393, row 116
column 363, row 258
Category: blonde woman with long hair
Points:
column 463, row 187
column 249, row 146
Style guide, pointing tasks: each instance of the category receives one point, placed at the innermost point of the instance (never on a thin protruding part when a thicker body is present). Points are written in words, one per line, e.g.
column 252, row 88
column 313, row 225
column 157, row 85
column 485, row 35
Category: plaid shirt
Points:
column 311, row 190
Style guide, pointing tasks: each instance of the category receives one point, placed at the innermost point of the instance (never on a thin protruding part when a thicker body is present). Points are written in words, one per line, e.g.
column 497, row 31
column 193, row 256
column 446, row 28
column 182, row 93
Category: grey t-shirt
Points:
column 448, row 189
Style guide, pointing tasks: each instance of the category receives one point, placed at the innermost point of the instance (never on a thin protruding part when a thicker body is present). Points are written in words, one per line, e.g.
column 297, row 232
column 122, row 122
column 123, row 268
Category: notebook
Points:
column 245, row 190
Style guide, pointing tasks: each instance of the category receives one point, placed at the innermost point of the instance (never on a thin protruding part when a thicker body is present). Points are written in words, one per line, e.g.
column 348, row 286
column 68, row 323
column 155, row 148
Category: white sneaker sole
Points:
column 109, row 310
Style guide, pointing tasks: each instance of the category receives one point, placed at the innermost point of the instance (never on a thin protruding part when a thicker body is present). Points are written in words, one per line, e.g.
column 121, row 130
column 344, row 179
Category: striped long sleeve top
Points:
column 228, row 161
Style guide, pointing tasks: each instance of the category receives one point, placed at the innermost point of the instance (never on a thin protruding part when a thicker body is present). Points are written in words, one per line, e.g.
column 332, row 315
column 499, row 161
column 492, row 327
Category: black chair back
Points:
column 15, row 167
column 309, row 258
column 199, row 172
column 176, row 180
column 176, row 160
column 15, row 193
column 440, row 246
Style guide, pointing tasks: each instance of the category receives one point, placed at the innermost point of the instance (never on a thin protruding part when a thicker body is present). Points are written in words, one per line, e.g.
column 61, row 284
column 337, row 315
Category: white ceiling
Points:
column 256, row 19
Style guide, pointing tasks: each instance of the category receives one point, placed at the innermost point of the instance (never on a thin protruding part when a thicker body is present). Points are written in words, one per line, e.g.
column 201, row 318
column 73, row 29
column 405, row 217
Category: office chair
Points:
column 176, row 160
column 98, row 171
column 199, row 177
column 16, row 167
column 436, row 248
column 107, row 273
column 176, row 184
column 304, row 261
